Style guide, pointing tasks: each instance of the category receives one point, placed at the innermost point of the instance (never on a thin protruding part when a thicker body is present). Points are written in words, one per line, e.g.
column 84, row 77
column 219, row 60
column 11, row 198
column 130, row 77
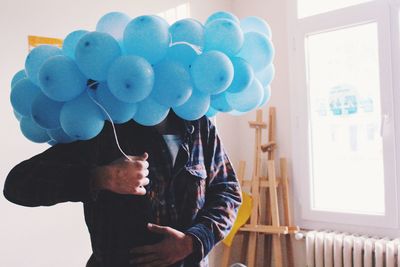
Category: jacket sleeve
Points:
column 59, row 174
column 222, row 201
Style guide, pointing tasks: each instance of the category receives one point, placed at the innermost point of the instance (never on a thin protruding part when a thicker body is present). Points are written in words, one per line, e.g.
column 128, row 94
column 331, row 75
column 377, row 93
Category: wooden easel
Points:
column 271, row 183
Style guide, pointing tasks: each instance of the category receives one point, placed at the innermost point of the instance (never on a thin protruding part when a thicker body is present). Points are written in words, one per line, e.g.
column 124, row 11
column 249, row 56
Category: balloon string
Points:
column 196, row 48
column 112, row 123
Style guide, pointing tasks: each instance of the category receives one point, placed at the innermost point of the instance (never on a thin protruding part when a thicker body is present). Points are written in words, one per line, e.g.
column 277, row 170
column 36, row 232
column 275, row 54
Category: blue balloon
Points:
column 71, row 41
column 258, row 50
column 114, row 24
column 148, row 37
column 266, row 75
column 150, row 112
column 222, row 15
column 223, row 35
column 32, row 131
column 17, row 77
column 248, row 99
column 267, row 96
column 220, row 103
column 130, row 78
column 211, row 112
column 243, row 75
column 188, row 30
column 120, row 112
column 195, row 107
column 46, row 112
column 61, row 79
column 59, row 136
column 36, row 58
column 17, row 115
column 256, row 24
column 52, row 142
column 212, row 72
column 22, row 96
column 172, row 85
column 183, row 54
column 95, row 52
column 81, row 118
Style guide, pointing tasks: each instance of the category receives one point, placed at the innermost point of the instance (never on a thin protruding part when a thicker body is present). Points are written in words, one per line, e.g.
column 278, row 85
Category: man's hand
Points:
column 123, row 176
column 175, row 247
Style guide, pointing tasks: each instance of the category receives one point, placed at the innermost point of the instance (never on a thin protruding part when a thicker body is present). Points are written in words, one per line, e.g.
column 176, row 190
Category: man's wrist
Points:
column 99, row 178
column 197, row 247
column 189, row 243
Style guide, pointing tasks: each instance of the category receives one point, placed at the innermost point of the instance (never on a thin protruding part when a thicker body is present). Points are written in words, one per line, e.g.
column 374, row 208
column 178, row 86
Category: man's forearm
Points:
column 44, row 183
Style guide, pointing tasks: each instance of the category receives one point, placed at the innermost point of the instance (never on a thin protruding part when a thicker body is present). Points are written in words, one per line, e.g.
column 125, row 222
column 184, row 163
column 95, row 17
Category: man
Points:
column 168, row 205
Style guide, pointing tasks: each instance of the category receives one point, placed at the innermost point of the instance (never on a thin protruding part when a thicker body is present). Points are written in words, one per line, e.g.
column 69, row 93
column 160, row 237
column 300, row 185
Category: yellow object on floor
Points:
column 242, row 217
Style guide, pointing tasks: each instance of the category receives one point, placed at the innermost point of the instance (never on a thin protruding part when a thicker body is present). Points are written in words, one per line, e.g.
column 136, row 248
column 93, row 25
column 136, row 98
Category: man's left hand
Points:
column 174, row 247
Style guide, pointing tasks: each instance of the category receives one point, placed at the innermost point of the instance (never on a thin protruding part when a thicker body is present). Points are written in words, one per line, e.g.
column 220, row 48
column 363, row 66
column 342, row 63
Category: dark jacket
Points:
column 200, row 194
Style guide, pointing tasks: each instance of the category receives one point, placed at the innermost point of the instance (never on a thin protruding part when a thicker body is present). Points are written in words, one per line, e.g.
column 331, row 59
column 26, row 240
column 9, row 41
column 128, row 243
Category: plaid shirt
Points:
column 199, row 195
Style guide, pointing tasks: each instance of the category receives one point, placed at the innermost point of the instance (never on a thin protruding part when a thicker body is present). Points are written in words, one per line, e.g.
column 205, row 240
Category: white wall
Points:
column 55, row 236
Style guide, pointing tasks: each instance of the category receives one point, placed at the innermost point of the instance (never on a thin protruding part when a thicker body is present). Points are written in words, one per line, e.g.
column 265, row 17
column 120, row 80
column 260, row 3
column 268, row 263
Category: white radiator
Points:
column 331, row 249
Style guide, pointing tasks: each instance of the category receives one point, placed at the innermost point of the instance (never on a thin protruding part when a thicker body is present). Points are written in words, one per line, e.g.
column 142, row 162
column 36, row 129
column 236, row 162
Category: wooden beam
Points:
column 265, row 229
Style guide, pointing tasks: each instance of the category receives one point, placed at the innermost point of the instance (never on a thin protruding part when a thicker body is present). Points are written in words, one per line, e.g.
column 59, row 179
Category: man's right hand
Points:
column 123, row 176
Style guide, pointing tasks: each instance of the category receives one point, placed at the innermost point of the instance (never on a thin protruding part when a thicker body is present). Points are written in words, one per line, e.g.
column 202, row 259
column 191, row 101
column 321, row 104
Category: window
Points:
column 173, row 14
column 345, row 65
column 345, row 114
column 307, row 8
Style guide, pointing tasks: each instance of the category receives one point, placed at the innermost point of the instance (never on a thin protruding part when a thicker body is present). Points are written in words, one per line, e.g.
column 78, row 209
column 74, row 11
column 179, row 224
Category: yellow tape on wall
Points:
column 34, row 41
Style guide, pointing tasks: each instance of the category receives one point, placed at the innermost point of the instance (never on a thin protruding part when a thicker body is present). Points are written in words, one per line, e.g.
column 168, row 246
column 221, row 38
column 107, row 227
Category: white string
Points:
column 112, row 123
column 196, row 48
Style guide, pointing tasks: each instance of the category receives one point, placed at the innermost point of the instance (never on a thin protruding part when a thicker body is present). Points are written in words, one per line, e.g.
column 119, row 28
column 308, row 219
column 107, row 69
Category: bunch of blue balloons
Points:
column 140, row 69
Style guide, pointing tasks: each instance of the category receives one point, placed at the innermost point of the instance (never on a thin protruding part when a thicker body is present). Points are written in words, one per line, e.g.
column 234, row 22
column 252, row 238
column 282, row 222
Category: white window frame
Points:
column 380, row 11
column 174, row 14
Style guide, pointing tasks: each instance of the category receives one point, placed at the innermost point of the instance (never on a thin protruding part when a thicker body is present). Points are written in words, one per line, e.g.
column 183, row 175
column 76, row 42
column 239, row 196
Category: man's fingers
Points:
column 140, row 164
column 144, row 181
column 140, row 191
column 144, row 249
column 158, row 229
column 143, row 157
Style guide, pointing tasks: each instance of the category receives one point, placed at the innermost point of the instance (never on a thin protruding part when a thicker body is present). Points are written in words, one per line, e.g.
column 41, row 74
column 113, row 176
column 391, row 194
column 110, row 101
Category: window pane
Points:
column 173, row 14
column 346, row 147
column 307, row 8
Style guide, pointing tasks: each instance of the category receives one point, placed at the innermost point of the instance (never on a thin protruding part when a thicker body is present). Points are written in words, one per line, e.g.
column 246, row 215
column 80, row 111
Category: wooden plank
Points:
column 252, row 249
column 263, row 183
column 266, row 229
column 293, row 229
column 255, row 191
column 271, row 139
column 272, row 131
column 254, row 124
column 225, row 256
column 277, row 252
column 273, row 193
column 241, row 172
column 243, row 252
column 285, row 191
column 286, row 208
